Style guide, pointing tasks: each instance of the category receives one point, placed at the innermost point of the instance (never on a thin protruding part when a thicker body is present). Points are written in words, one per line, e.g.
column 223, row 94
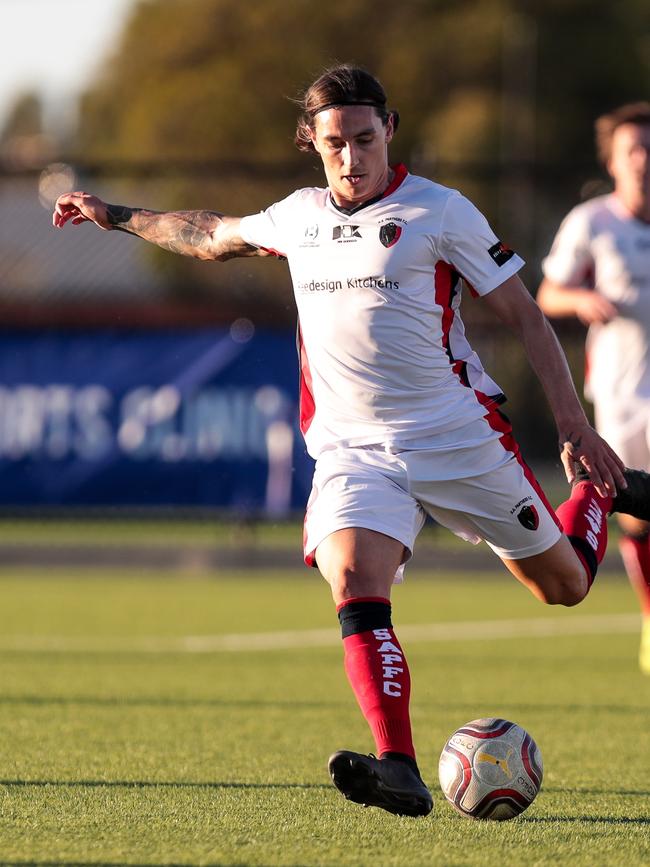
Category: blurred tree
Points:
column 25, row 118
column 23, row 144
column 496, row 97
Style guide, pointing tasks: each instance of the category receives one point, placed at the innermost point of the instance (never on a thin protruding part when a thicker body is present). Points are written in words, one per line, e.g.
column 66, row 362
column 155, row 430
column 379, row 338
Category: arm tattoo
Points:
column 190, row 233
column 118, row 214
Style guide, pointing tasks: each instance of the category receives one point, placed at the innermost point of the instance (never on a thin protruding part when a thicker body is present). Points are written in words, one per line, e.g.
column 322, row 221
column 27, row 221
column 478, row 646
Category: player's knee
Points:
column 350, row 580
column 568, row 588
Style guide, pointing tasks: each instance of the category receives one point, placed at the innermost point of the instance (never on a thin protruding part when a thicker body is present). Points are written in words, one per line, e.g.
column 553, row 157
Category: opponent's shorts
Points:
column 627, row 430
column 485, row 492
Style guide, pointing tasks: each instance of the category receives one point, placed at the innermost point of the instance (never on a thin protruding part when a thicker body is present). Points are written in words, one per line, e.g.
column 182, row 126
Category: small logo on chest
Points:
column 389, row 234
column 345, row 233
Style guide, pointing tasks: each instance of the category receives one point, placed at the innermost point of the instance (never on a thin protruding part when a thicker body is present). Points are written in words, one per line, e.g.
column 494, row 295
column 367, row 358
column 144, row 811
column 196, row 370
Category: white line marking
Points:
column 464, row 630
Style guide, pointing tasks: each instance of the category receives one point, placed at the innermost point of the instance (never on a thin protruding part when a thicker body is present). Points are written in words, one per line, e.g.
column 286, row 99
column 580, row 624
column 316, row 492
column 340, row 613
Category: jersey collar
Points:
column 399, row 174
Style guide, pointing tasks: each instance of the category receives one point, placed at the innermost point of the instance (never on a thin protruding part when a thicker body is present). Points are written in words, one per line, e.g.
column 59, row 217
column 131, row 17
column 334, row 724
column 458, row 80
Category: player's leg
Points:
column 634, row 546
column 505, row 506
column 563, row 574
column 361, row 563
column 360, row 566
column 628, row 433
column 556, row 576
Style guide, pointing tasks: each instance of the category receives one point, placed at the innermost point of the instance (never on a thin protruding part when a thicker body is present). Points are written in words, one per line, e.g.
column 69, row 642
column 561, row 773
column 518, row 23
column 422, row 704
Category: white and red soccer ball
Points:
column 490, row 769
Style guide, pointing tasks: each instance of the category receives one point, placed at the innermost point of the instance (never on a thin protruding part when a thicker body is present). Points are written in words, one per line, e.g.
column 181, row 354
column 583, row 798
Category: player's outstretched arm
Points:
column 579, row 442
column 201, row 234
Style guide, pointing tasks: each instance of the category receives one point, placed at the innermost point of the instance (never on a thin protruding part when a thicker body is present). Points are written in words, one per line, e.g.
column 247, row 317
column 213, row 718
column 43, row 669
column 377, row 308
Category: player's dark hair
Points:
column 634, row 112
column 335, row 87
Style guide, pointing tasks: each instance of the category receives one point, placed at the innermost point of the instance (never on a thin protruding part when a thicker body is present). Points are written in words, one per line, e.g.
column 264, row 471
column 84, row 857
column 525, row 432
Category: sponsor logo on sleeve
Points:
column 500, row 253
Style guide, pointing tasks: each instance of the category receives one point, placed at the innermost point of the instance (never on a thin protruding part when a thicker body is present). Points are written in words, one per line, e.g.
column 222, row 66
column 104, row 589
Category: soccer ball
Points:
column 490, row 769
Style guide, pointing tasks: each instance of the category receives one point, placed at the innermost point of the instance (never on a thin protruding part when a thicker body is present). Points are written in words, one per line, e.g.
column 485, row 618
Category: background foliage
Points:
column 196, row 109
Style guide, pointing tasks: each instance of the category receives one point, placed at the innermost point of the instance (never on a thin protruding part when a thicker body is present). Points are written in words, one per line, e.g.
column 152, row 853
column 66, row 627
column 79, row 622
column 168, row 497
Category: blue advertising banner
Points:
column 148, row 418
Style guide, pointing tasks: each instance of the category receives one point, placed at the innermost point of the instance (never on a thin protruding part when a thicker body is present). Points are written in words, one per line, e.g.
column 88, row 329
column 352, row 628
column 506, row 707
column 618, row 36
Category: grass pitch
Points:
column 138, row 729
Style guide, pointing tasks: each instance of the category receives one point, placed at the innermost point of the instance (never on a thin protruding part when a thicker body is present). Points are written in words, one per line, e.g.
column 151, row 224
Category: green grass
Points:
column 110, row 755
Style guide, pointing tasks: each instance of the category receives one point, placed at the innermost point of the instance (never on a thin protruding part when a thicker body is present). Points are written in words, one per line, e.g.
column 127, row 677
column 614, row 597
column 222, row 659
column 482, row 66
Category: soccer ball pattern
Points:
column 490, row 769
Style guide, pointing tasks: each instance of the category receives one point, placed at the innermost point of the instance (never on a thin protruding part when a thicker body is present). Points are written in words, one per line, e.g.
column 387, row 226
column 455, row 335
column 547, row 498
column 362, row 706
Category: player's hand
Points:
column 79, row 208
column 593, row 308
column 583, row 446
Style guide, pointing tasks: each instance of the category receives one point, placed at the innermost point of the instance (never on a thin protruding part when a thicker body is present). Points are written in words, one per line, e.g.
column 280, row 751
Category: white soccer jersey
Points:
column 600, row 245
column 384, row 357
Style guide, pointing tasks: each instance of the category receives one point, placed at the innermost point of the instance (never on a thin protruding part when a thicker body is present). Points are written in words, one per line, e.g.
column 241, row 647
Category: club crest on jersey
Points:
column 528, row 517
column 389, row 234
column 345, row 233
column 500, row 253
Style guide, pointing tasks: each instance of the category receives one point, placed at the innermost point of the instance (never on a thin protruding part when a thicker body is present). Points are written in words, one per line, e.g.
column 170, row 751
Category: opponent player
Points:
column 598, row 270
column 394, row 405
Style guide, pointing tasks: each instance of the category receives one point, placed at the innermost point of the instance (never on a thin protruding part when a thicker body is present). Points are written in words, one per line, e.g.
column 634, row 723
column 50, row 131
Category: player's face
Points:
column 353, row 143
column 629, row 164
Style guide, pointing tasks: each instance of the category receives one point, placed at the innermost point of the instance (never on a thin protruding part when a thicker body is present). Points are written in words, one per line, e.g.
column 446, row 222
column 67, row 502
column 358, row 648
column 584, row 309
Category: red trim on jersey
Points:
column 501, row 423
column 274, row 252
column 306, row 399
column 400, row 174
column 445, row 281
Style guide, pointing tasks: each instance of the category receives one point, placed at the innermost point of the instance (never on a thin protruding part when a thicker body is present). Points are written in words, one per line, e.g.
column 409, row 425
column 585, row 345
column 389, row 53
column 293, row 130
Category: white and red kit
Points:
column 385, row 363
column 601, row 246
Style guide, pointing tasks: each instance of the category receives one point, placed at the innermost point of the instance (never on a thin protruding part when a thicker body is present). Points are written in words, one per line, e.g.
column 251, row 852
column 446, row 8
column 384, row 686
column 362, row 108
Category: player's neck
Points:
column 636, row 202
column 349, row 206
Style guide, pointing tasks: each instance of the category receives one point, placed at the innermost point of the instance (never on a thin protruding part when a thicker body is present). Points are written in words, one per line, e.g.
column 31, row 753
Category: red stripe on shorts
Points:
column 501, row 424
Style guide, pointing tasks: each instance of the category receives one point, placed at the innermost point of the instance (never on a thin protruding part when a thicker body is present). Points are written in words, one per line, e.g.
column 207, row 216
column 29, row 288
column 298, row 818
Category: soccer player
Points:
column 598, row 270
column 394, row 404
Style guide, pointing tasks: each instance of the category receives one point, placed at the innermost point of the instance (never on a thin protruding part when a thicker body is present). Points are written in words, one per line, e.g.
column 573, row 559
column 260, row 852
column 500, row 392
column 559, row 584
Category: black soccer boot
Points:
column 388, row 783
column 633, row 500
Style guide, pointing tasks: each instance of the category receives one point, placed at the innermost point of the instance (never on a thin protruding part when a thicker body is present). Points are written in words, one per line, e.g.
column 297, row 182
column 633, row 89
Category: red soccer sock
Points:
column 378, row 673
column 635, row 551
column 584, row 520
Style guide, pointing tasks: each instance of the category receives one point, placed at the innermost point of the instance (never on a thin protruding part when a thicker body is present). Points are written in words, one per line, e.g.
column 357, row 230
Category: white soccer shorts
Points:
column 626, row 428
column 496, row 499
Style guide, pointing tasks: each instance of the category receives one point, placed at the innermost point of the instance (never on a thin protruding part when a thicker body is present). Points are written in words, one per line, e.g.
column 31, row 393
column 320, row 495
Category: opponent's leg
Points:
column 634, row 546
column 360, row 566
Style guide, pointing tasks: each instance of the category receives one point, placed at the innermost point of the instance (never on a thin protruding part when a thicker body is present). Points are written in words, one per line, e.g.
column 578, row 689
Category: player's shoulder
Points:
column 434, row 202
column 425, row 188
column 310, row 195
column 299, row 199
column 594, row 216
column 592, row 209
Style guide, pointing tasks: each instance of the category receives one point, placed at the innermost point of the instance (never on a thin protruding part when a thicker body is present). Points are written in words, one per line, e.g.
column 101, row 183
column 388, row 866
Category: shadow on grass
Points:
column 592, row 820
column 512, row 708
column 118, row 864
column 565, row 790
column 153, row 701
column 154, row 784
column 160, row 701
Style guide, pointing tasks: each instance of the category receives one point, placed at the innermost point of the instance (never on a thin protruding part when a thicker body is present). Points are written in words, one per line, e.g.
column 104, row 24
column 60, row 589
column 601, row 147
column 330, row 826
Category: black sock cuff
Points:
column 589, row 555
column 356, row 617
